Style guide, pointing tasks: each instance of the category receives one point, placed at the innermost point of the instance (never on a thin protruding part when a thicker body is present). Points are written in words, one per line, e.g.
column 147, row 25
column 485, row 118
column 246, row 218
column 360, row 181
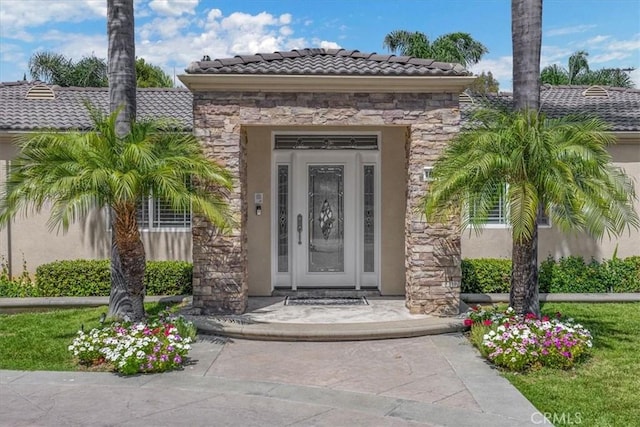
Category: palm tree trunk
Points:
column 120, row 305
column 122, row 66
column 128, row 265
column 125, row 298
column 524, row 297
column 526, row 37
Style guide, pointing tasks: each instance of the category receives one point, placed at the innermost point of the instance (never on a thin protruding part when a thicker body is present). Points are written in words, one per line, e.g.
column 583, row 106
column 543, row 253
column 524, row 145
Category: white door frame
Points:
column 297, row 161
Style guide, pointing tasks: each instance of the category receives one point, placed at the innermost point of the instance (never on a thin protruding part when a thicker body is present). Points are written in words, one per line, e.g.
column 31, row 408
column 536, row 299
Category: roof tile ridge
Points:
column 162, row 89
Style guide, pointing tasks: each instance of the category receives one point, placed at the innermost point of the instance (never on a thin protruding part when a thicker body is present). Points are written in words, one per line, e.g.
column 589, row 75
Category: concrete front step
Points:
column 359, row 331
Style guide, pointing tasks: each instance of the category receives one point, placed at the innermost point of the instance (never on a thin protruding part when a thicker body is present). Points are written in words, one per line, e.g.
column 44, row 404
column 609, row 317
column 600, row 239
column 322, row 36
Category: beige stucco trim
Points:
column 332, row 84
column 627, row 137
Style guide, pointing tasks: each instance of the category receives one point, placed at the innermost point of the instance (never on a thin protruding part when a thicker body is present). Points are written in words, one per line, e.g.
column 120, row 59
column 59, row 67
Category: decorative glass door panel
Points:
column 324, row 204
column 326, row 218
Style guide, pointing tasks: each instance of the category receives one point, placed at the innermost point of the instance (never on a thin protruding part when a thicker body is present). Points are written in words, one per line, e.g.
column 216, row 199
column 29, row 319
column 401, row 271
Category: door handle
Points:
column 299, row 229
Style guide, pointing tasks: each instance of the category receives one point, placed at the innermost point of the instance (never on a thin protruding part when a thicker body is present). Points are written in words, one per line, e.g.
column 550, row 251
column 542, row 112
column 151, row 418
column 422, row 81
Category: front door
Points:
column 324, row 212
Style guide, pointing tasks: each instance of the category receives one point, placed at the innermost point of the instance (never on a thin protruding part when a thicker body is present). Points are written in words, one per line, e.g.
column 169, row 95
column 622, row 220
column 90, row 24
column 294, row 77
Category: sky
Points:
column 173, row 33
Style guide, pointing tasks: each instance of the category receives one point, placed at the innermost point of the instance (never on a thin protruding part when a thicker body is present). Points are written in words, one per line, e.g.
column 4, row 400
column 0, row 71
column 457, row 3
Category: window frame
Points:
column 149, row 220
column 503, row 207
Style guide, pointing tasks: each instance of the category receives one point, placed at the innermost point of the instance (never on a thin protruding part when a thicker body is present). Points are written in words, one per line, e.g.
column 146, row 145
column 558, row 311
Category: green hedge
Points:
column 486, row 275
column 570, row 274
column 92, row 278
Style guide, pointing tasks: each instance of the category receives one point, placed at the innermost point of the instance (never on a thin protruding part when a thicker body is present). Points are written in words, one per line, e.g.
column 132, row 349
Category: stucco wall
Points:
column 496, row 242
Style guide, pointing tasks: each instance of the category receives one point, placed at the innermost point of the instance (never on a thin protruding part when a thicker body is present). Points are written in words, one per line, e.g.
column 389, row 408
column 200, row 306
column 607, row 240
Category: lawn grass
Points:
column 40, row 341
column 604, row 390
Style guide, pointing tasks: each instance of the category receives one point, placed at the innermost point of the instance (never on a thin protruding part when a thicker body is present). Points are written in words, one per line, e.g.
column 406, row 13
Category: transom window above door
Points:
column 326, row 142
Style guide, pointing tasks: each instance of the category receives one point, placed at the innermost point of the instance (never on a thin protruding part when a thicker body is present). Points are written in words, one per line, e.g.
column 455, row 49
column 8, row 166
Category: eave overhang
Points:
column 631, row 137
column 324, row 83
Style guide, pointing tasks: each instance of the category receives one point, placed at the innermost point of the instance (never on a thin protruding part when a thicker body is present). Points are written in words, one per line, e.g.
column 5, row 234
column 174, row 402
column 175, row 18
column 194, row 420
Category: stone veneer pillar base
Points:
column 432, row 119
column 432, row 250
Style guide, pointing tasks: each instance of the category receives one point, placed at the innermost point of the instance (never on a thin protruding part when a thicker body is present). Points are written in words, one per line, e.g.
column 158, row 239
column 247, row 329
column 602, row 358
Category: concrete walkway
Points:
column 431, row 380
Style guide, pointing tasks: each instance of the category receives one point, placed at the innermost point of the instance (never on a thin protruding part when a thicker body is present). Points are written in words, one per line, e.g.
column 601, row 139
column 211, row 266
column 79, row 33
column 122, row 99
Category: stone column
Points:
column 432, row 250
column 219, row 257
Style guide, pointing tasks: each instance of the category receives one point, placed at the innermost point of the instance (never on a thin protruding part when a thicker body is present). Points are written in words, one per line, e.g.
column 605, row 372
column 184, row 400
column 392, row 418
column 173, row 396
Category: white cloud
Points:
column 286, row 31
column 75, row 45
column 324, row 44
column 568, row 30
column 608, row 56
column 632, row 44
column 167, row 34
column 554, row 55
column 174, row 7
column 164, row 28
column 15, row 16
column 501, row 68
column 12, row 55
column 285, row 19
column 597, row 40
column 214, row 14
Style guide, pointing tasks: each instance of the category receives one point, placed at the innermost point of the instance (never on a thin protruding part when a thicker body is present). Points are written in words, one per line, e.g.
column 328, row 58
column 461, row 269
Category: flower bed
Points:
column 519, row 343
column 157, row 345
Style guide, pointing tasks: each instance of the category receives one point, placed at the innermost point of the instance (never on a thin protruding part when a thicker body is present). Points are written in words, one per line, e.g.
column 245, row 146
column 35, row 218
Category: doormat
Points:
column 325, row 301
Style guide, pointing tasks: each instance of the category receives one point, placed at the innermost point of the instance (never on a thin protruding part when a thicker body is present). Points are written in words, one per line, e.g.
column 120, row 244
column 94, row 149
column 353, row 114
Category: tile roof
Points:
column 67, row 109
column 327, row 62
column 620, row 108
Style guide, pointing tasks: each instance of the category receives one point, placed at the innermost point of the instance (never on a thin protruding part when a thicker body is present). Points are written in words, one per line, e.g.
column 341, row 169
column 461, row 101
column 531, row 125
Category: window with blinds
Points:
column 154, row 214
column 498, row 215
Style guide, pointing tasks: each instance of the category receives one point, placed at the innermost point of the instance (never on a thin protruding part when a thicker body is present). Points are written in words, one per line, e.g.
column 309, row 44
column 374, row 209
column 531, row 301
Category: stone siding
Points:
column 432, row 251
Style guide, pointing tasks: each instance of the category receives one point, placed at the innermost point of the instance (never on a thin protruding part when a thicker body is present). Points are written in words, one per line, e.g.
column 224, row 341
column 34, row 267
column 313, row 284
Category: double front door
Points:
column 331, row 221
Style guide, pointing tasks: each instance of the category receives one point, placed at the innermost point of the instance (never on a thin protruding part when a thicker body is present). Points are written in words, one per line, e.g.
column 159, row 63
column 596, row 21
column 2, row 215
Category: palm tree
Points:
column 56, row 69
column 90, row 71
column 149, row 75
column 579, row 73
column 560, row 166
column 526, row 40
column 75, row 173
column 452, row 47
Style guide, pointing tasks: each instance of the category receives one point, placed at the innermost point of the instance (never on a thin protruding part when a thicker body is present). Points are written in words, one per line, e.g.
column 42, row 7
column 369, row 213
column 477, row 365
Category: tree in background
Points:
column 149, row 75
column 452, row 47
column 485, row 83
column 579, row 73
column 56, row 69
column 74, row 173
column 90, row 71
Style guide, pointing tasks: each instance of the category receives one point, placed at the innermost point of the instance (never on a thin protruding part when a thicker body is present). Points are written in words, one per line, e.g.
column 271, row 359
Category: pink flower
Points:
column 545, row 318
column 487, row 322
column 468, row 322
